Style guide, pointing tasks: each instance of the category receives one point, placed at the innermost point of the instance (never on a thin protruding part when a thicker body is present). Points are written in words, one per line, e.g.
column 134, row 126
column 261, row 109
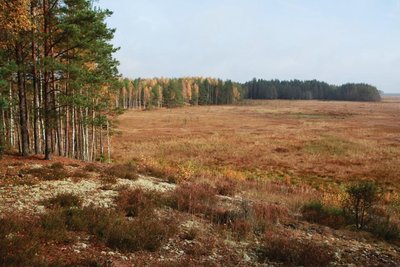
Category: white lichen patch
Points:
column 28, row 198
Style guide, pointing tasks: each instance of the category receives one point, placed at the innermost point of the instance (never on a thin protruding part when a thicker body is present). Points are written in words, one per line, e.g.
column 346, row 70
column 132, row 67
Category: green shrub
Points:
column 382, row 226
column 359, row 203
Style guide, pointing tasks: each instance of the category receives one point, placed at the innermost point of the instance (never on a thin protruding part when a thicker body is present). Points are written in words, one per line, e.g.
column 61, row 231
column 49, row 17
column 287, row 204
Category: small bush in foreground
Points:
column 241, row 228
column 226, row 187
column 133, row 202
column 56, row 166
column 50, row 173
column 145, row 232
column 293, row 252
column 193, row 198
column 358, row 205
column 53, row 227
column 266, row 214
column 92, row 168
column 64, row 200
column 80, row 174
column 317, row 212
column 18, row 246
column 384, row 228
column 123, row 171
column 108, row 180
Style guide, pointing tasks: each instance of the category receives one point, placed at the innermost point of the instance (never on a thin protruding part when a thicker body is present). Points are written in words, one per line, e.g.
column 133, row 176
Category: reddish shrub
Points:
column 265, row 214
column 293, row 252
column 193, row 198
column 133, row 202
column 226, row 187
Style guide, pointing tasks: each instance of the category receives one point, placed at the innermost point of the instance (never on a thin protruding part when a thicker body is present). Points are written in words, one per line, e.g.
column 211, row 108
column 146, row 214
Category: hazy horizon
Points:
column 332, row 41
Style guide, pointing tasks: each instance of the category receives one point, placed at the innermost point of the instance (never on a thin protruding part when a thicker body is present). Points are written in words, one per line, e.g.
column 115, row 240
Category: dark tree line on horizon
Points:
column 307, row 90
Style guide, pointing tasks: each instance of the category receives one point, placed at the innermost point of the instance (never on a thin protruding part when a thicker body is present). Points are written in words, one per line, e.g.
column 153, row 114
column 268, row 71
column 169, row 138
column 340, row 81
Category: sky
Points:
column 336, row 41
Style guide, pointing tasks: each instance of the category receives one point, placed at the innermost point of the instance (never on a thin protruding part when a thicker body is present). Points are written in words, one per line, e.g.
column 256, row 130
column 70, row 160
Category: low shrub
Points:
column 20, row 240
column 203, row 246
column 133, row 202
column 226, row 187
column 241, row 228
column 56, row 166
column 222, row 215
column 123, row 171
column 108, row 180
column 293, row 252
column 190, row 234
column 53, row 227
column 359, row 203
column 92, row 168
column 266, row 214
column 193, row 198
column 64, row 200
column 80, row 174
column 18, row 245
column 145, row 232
column 49, row 173
column 317, row 212
column 384, row 228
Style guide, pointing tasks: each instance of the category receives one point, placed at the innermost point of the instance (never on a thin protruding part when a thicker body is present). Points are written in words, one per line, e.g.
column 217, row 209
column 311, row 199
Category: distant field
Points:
column 316, row 142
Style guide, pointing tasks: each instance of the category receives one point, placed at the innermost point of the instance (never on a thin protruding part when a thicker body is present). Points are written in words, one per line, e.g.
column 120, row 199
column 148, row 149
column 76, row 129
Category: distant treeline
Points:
column 164, row 92
column 296, row 89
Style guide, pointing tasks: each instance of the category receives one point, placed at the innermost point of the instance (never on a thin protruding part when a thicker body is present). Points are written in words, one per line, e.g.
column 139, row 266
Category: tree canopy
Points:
column 296, row 89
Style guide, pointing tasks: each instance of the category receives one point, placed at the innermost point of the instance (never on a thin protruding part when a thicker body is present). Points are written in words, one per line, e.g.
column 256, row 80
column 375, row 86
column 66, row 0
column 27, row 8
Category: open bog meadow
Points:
column 276, row 183
column 319, row 143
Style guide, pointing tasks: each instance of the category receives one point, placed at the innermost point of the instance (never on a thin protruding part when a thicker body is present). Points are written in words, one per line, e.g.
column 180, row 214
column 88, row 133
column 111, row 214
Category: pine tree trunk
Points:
column 12, row 129
column 73, row 138
column 22, row 102
column 46, row 93
column 108, row 143
column 35, row 89
column 93, row 137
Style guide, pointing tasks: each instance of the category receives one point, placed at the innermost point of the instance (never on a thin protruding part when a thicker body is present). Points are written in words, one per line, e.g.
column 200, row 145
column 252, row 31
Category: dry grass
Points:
column 313, row 141
column 281, row 154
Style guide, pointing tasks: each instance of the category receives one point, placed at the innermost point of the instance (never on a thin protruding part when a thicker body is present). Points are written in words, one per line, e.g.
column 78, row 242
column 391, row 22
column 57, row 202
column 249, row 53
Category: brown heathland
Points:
column 317, row 142
column 244, row 185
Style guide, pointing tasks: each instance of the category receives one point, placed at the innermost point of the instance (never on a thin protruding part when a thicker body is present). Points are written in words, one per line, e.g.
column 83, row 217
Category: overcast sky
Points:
column 336, row 41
